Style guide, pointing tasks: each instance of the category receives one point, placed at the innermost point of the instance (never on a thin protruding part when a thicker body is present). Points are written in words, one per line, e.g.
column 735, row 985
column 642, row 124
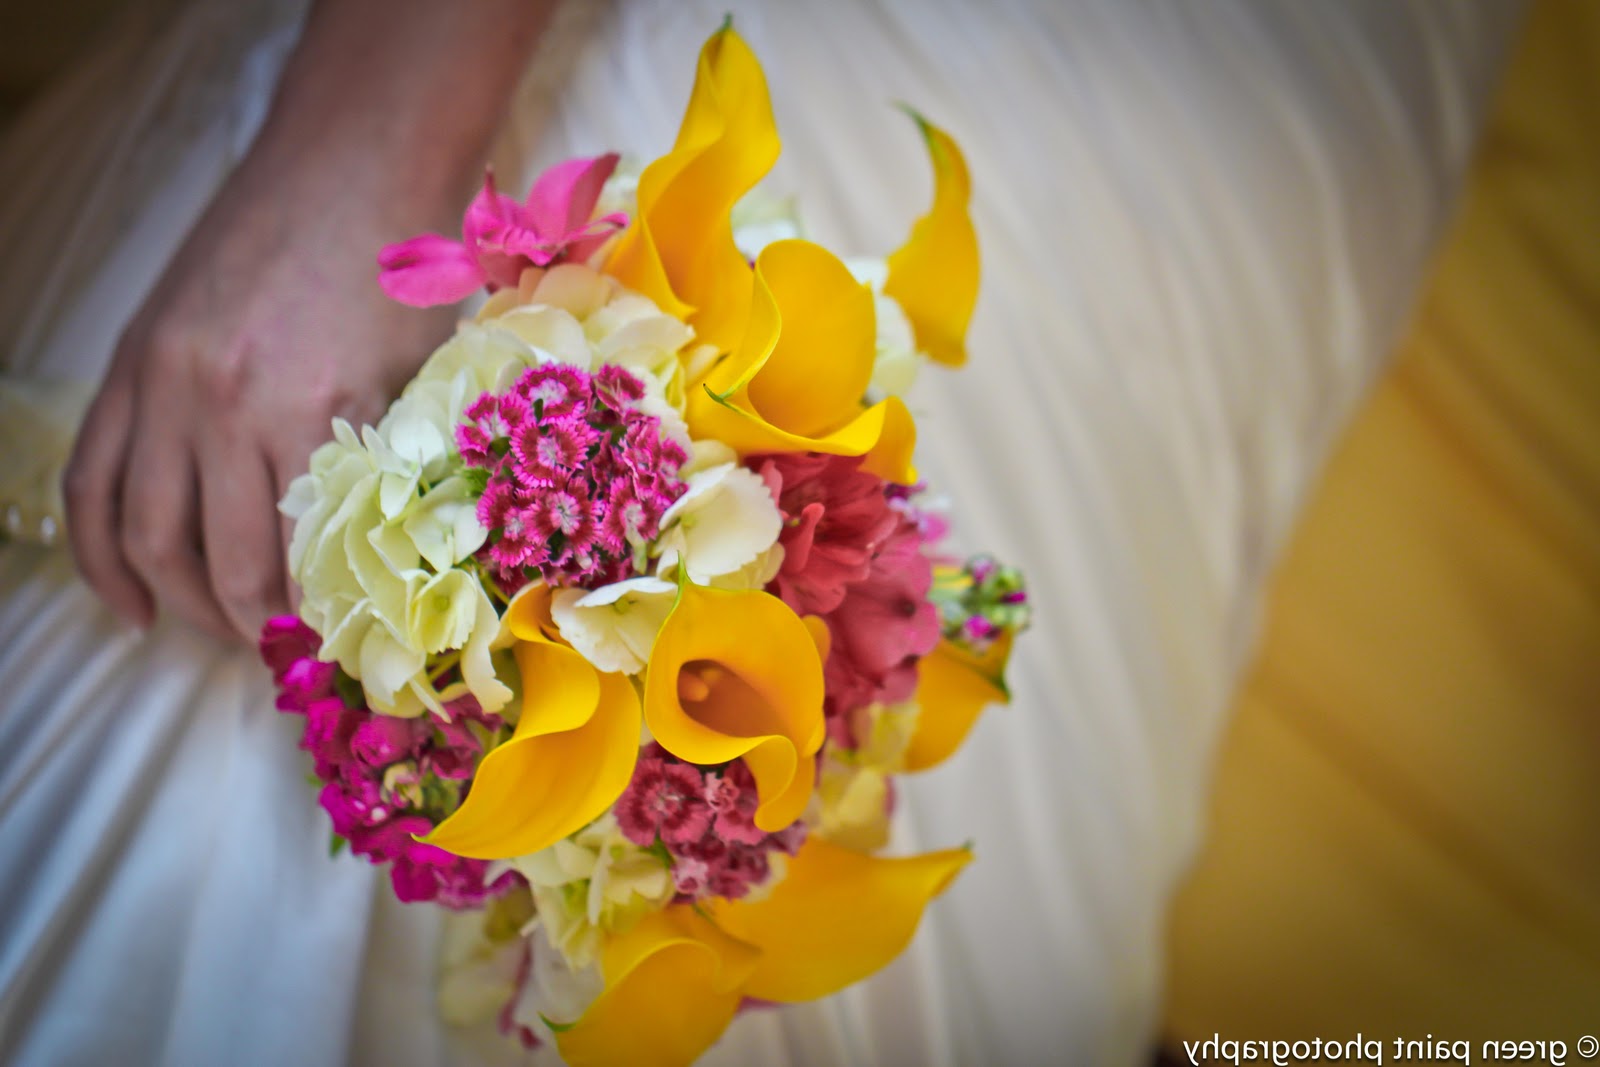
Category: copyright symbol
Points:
column 1588, row 1047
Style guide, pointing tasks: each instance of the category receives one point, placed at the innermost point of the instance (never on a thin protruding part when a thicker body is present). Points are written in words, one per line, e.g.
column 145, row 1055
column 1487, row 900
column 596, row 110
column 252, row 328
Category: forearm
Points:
column 405, row 94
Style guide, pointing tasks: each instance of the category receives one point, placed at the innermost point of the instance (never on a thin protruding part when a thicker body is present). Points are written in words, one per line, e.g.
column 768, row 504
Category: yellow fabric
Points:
column 1405, row 837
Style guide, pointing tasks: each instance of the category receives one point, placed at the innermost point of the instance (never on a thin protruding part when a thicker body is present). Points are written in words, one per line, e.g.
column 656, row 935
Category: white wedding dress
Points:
column 1201, row 227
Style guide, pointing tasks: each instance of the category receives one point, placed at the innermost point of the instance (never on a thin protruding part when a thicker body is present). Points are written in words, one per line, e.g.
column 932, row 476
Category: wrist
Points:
column 399, row 100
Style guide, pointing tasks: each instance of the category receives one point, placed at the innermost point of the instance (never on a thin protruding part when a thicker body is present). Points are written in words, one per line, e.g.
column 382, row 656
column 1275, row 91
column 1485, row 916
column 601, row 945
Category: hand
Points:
column 269, row 321
column 267, row 324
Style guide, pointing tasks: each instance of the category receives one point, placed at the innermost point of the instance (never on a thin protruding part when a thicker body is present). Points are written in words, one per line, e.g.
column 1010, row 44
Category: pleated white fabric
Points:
column 1201, row 225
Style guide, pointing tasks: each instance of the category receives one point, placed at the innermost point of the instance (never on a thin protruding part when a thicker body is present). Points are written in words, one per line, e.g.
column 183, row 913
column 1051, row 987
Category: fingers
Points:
column 92, row 489
column 160, row 517
column 243, row 548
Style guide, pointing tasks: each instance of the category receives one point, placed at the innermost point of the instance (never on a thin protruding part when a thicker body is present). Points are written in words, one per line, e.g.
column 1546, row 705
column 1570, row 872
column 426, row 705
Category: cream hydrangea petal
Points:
column 484, row 352
column 343, row 624
column 477, row 663
column 726, row 519
column 615, row 626
column 648, row 340
column 896, row 361
column 753, row 575
column 576, row 289
column 705, row 454
column 383, row 583
column 386, row 665
column 444, row 526
column 301, row 495
column 552, row 332
column 591, row 884
column 441, row 611
column 555, row 991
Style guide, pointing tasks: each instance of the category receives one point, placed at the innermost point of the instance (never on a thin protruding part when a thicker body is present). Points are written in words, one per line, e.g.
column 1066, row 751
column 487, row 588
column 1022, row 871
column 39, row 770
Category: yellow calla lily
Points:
column 872, row 906
column 674, row 981
column 953, row 686
column 736, row 674
column 795, row 382
column 934, row 275
column 679, row 250
column 570, row 757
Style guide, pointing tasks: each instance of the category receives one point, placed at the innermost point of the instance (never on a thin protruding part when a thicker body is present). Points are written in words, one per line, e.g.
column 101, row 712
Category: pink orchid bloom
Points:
column 501, row 238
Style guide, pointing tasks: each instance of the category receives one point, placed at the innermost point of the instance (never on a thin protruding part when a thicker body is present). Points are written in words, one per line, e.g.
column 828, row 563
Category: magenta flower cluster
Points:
column 705, row 819
column 386, row 780
column 578, row 475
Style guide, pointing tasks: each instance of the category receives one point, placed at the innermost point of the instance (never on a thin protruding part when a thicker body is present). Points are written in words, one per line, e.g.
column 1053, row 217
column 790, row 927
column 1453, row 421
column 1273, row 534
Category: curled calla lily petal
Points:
column 735, row 674
column 953, row 687
column 673, row 983
column 674, row 980
column 872, row 907
column 796, row 379
column 934, row 275
column 680, row 250
column 525, row 796
column 528, row 616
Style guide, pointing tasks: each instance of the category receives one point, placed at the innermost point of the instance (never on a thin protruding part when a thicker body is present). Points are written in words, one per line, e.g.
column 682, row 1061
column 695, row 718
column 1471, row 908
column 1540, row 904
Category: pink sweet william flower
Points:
column 732, row 795
column 664, row 798
column 705, row 819
column 578, row 475
column 500, row 237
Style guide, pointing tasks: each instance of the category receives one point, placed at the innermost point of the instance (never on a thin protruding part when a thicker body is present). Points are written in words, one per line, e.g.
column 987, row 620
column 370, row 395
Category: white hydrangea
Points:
column 386, row 521
column 614, row 627
column 593, row 883
column 724, row 521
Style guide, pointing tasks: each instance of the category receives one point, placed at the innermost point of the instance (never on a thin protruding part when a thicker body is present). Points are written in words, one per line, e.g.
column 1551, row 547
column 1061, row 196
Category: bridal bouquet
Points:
column 617, row 625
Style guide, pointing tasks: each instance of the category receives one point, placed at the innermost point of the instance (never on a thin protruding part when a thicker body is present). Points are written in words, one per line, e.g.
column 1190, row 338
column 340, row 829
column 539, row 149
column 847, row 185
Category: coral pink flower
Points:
column 500, row 237
column 853, row 554
column 835, row 514
column 882, row 627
